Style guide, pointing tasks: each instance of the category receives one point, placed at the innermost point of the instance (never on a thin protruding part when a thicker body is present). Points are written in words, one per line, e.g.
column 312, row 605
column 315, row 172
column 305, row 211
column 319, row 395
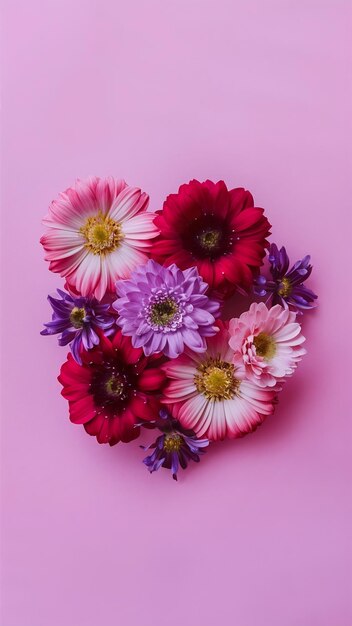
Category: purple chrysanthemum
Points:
column 286, row 287
column 77, row 320
column 165, row 309
column 174, row 447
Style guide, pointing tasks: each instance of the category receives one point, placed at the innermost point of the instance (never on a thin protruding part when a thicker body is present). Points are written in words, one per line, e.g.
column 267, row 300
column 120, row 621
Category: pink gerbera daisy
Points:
column 267, row 342
column 208, row 394
column 99, row 231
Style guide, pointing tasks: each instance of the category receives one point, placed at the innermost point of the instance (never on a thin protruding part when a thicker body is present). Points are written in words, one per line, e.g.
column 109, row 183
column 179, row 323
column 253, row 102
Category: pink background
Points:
column 255, row 92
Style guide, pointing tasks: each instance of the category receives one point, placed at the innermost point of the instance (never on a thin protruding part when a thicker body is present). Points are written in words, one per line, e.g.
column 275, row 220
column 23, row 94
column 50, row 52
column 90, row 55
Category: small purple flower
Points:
column 165, row 309
column 77, row 319
column 286, row 287
column 175, row 447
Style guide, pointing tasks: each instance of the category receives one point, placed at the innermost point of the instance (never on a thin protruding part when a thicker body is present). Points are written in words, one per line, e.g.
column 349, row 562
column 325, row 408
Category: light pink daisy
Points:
column 208, row 394
column 267, row 342
column 98, row 231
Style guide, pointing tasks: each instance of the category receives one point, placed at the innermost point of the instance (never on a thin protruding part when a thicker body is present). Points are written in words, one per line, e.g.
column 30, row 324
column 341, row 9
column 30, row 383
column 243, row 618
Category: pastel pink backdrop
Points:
column 158, row 92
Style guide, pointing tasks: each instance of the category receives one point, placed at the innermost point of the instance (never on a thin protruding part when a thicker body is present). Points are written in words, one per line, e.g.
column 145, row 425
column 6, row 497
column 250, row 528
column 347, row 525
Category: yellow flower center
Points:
column 216, row 380
column 102, row 234
column 285, row 288
column 77, row 316
column 172, row 442
column 265, row 346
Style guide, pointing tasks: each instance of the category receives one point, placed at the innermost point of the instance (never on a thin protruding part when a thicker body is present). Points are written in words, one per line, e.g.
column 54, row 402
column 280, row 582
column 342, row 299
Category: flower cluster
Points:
column 142, row 313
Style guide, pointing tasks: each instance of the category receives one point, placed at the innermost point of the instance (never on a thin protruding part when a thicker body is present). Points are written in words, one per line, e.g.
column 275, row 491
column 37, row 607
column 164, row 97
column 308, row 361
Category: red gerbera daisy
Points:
column 218, row 230
column 112, row 390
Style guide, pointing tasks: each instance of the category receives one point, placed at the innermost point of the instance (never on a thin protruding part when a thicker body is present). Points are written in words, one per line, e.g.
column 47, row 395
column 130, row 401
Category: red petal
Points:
column 232, row 269
column 128, row 431
column 144, row 407
column 93, row 427
column 165, row 247
column 75, row 392
column 104, row 434
column 115, row 430
column 249, row 218
column 151, row 380
column 82, row 411
column 181, row 258
column 206, row 271
column 71, row 372
column 130, row 354
column 240, row 199
column 249, row 252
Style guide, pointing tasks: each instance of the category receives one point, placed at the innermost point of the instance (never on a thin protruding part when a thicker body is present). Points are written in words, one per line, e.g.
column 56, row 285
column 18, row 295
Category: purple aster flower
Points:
column 174, row 447
column 165, row 309
column 286, row 287
column 77, row 320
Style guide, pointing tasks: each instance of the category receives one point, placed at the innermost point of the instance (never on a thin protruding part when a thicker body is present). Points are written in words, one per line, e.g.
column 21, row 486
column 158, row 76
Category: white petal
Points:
column 140, row 227
column 123, row 261
column 206, row 417
column 287, row 333
column 129, row 202
column 88, row 274
column 59, row 244
column 191, row 411
column 243, row 414
column 180, row 370
column 217, row 427
column 179, row 392
column 72, row 263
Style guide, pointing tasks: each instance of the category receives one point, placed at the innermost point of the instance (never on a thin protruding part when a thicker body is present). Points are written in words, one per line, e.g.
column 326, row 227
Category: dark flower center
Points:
column 208, row 237
column 163, row 311
column 77, row 316
column 113, row 385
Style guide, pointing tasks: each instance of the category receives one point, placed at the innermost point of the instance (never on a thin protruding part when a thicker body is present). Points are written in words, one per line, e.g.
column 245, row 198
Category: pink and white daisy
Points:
column 267, row 342
column 208, row 394
column 98, row 232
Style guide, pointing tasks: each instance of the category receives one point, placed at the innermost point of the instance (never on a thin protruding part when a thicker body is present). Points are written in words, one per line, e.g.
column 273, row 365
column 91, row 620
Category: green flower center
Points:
column 265, row 346
column 216, row 380
column 77, row 316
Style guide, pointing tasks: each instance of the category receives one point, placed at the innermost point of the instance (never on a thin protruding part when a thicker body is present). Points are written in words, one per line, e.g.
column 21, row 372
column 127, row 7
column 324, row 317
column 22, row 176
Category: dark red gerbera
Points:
column 113, row 389
column 218, row 230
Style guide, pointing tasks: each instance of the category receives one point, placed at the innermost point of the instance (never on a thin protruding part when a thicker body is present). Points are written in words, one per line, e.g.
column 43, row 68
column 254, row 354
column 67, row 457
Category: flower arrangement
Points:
column 142, row 314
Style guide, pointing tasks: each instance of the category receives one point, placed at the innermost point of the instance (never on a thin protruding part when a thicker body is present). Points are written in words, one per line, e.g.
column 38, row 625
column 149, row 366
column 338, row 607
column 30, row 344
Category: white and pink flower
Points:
column 208, row 394
column 267, row 343
column 98, row 232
